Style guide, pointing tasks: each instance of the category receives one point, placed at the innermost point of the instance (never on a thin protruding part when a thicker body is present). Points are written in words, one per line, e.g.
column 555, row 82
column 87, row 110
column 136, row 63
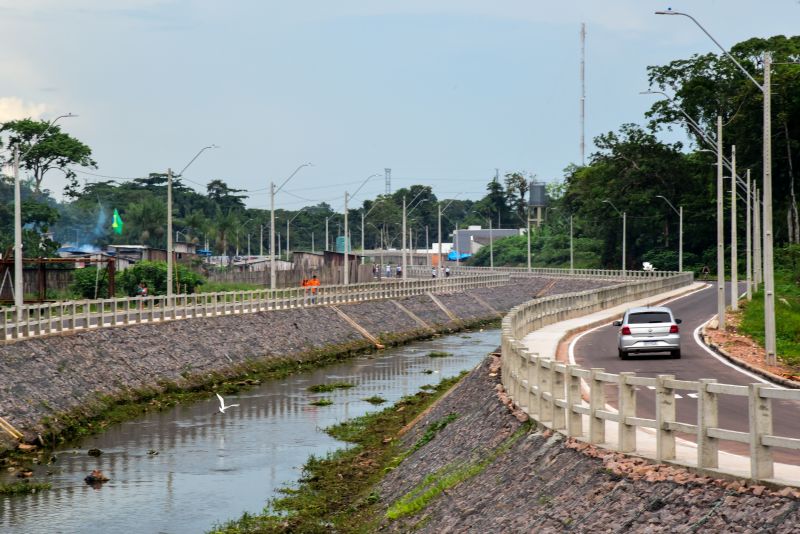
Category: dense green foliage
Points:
column 154, row 274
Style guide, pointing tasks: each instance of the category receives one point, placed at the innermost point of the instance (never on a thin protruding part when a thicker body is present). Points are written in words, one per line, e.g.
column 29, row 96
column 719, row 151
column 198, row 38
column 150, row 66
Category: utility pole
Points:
column 388, row 177
column 439, row 261
column 758, row 257
column 260, row 241
column 344, row 264
column 326, row 234
column 169, row 238
column 362, row 236
column 769, row 271
column 313, row 250
column 272, row 263
column 720, row 232
column 528, row 231
column 624, row 240
column 749, row 239
column 404, row 239
column 19, row 290
column 734, row 250
column 571, row 249
column 583, row 93
column 491, row 245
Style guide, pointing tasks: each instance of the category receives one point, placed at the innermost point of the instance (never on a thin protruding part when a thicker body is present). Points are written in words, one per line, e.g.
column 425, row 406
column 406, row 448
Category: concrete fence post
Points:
column 533, row 384
column 627, row 408
column 545, row 388
column 557, row 371
column 707, row 417
column 665, row 414
column 574, row 419
column 597, row 401
column 760, row 412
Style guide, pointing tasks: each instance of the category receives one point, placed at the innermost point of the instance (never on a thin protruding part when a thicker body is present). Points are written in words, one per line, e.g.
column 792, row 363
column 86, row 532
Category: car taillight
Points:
column 673, row 329
column 626, row 330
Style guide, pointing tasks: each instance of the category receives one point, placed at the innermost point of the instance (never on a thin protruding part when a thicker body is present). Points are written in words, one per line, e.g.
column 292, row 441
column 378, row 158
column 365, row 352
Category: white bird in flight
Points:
column 222, row 406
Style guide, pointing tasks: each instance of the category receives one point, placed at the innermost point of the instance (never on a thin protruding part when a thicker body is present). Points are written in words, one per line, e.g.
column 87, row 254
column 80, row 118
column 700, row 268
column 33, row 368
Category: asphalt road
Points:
column 598, row 348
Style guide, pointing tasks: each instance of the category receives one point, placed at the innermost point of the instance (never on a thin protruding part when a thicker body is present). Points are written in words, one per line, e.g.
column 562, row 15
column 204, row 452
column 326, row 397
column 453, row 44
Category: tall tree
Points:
column 45, row 148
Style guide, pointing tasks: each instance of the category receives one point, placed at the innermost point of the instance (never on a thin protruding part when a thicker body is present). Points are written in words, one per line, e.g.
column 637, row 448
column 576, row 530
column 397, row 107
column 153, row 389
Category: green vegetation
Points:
column 321, row 402
column 23, row 487
column 439, row 354
column 375, row 399
column 449, row 476
column 221, row 287
column 326, row 388
column 787, row 308
column 336, row 492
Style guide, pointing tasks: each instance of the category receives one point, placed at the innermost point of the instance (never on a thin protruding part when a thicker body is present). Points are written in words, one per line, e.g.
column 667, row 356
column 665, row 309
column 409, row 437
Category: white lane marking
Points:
column 651, row 387
column 571, row 351
column 725, row 361
column 678, row 396
column 692, row 395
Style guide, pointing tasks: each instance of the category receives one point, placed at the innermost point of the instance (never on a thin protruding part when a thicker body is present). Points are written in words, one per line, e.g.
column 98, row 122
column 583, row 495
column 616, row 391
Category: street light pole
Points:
column 758, row 257
column 404, row 238
column 680, row 230
column 272, row 192
column 20, row 283
column 769, row 272
column 720, row 232
column 346, row 267
column 749, row 240
column 571, row 249
column 491, row 247
column 528, row 232
column 261, row 241
column 734, row 249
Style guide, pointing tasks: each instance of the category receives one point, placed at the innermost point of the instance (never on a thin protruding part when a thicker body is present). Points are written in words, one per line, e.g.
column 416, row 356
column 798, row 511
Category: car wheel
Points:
column 676, row 354
column 622, row 354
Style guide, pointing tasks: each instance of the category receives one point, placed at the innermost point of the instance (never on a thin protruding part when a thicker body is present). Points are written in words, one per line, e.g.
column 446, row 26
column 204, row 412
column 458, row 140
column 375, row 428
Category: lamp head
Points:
column 668, row 12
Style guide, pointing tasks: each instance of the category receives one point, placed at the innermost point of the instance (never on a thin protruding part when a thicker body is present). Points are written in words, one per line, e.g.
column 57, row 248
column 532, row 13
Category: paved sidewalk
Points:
column 545, row 342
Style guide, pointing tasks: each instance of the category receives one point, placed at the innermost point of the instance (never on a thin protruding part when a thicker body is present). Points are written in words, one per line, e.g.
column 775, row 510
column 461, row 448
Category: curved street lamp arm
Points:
column 724, row 51
column 39, row 137
column 195, row 157
column 292, row 175
column 668, row 202
column 606, row 201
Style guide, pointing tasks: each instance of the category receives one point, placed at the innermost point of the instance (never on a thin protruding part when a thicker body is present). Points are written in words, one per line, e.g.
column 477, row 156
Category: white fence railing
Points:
column 55, row 317
column 550, row 391
column 423, row 271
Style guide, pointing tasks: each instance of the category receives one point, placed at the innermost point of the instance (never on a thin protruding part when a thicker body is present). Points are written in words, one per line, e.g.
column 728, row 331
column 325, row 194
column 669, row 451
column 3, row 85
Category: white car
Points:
column 649, row 329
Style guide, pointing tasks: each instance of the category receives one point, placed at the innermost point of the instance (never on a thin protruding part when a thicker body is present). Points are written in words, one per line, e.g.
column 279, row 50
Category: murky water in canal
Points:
column 212, row 467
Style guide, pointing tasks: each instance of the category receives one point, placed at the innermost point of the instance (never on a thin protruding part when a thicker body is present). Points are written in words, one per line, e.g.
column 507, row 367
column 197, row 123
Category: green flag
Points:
column 116, row 225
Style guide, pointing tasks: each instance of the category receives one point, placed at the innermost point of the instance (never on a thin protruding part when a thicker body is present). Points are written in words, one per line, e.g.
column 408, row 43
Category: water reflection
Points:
column 211, row 467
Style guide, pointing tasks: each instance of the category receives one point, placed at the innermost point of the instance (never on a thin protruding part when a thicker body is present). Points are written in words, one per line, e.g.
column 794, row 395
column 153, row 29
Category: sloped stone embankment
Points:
column 513, row 480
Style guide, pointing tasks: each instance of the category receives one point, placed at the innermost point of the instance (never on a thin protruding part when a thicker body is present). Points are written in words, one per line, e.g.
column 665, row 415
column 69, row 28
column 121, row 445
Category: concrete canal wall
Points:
column 43, row 378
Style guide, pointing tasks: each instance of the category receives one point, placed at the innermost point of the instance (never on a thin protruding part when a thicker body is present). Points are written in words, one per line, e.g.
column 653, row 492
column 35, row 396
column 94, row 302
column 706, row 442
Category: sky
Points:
column 443, row 92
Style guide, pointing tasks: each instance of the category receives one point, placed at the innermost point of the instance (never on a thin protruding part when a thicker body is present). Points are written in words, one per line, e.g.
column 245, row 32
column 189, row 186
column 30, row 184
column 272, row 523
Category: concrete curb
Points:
column 772, row 377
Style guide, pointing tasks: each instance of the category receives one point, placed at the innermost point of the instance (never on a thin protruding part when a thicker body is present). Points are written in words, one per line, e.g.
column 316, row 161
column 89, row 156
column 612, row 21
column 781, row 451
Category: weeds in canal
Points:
column 439, row 354
column 321, row 402
column 327, row 388
column 336, row 491
column 375, row 399
column 24, row 487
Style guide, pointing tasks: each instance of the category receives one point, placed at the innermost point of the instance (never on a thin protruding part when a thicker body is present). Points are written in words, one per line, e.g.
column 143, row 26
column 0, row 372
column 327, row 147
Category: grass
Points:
column 449, row 476
column 787, row 318
column 221, row 287
column 375, row 399
column 24, row 487
column 327, row 388
column 335, row 493
column 439, row 354
column 321, row 402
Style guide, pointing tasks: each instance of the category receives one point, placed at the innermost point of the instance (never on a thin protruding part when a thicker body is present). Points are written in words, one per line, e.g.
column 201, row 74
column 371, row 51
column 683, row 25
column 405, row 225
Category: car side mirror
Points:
column 617, row 323
column 678, row 321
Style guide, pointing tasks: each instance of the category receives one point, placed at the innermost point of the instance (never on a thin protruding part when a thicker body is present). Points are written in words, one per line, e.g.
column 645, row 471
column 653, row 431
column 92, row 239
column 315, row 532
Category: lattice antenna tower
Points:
column 388, row 174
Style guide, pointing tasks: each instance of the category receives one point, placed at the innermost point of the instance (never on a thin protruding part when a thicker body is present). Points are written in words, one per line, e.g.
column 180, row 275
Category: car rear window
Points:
column 649, row 317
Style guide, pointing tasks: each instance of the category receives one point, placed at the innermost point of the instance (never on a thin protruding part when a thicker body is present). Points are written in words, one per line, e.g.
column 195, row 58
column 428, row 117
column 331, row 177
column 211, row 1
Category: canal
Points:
column 190, row 467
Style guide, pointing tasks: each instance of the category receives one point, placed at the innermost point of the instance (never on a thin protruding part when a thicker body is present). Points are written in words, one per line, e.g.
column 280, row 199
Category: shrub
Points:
column 83, row 283
column 154, row 274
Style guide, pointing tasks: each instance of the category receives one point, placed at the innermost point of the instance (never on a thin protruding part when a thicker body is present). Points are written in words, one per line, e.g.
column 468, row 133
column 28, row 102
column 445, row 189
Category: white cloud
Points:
column 13, row 108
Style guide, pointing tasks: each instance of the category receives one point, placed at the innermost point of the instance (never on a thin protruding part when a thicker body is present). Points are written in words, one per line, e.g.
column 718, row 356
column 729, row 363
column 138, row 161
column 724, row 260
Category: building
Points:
column 473, row 238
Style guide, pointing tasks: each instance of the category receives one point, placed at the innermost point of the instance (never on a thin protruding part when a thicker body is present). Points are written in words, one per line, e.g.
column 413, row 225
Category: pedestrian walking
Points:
column 399, row 271
column 447, row 272
column 313, row 284
column 388, row 270
column 705, row 270
column 433, row 272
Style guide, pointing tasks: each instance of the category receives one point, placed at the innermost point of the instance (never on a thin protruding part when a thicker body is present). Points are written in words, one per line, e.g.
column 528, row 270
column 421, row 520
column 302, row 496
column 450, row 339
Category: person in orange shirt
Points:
column 313, row 284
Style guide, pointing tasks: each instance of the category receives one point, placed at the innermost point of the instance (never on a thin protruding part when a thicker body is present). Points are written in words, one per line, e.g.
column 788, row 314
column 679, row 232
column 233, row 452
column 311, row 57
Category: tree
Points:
column 709, row 85
column 517, row 187
column 225, row 197
column 45, row 148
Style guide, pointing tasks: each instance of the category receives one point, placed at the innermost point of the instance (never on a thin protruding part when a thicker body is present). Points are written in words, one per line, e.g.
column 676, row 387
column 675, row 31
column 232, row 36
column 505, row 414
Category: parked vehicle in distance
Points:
column 648, row 330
